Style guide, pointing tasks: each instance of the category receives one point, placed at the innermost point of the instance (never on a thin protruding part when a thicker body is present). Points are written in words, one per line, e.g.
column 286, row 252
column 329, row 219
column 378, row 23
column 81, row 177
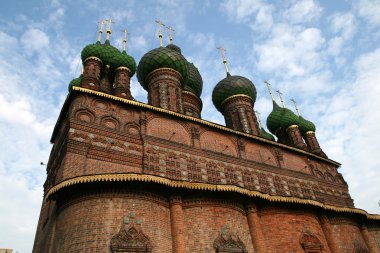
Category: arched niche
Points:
column 168, row 130
column 218, row 143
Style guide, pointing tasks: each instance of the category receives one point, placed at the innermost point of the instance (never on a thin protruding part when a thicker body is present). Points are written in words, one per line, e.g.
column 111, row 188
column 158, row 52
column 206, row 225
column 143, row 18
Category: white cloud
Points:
column 291, row 50
column 343, row 24
column 303, row 11
column 242, row 10
column 350, row 124
column 369, row 10
column 34, row 40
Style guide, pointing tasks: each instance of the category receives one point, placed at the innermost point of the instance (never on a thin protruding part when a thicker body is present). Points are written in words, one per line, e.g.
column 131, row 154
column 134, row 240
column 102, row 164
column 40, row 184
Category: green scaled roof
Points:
column 75, row 82
column 94, row 50
column 194, row 83
column 266, row 135
column 124, row 60
column 305, row 125
column 104, row 52
column 281, row 118
column 161, row 58
column 230, row 86
column 174, row 47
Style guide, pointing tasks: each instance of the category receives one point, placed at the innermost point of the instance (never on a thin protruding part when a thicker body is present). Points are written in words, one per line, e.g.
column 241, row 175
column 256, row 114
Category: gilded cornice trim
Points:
column 310, row 132
column 201, row 121
column 93, row 58
column 123, row 68
column 201, row 186
column 234, row 96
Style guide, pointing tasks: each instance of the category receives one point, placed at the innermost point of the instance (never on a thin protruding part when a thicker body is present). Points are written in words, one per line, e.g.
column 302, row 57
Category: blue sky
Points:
column 324, row 54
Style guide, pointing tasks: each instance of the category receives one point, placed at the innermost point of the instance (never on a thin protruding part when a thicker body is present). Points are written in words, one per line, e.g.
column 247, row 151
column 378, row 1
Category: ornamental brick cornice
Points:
column 203, row 187
column 78, row 90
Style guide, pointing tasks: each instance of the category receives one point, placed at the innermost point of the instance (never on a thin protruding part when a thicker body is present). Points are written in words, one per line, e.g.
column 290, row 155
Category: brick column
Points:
column 105, row 84
column 368, row 239
column 295, row 137
column 192, row 105
column 238, row 114
column 177, row 227
column 122, row 86
column 165, row 89
column 312, row 143
column 91, row 73
column 327, row 231
column 255, row 230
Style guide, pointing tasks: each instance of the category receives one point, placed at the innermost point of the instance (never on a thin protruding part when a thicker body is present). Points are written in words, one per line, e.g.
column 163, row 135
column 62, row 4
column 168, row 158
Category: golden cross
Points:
column 282, row 100
column 222, row 52
column 295, row 105
column 171, row 30
column 101, row 26
column 269, row 89
column 109, row 22
column 258, row 118
column 125, row 40
column 159, row 22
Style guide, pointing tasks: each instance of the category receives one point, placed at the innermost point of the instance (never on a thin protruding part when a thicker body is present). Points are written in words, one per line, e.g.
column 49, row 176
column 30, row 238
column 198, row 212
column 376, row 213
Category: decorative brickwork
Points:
column 122, row 83
column 192, row 105
column 165, row 89
column 182, row 184
column 239, row 115
column 91, row 73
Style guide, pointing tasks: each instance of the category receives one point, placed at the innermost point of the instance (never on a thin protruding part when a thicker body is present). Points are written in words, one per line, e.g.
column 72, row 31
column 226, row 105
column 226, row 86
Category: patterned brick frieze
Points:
column 117, row 136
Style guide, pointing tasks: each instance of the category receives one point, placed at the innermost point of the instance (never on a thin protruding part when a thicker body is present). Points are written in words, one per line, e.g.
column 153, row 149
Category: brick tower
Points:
column 125, row 176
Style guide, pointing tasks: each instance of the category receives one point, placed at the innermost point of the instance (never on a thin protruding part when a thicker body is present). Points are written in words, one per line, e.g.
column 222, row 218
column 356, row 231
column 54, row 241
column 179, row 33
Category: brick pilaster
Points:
column 327, row 231
column 176, row 221
column 368, row 239
column 256, row 232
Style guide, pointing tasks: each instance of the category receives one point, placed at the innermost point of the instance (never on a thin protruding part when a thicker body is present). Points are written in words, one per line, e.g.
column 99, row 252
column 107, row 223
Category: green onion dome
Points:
column 281, row 118
column 124, row 60
column 266, row 135
column 92, row 50
column 231, row 86
column 174, row 47
column 75, row 82
column 108, row 54
column 305, row 125
column 194, row 83
column 105, row 52
column 161, row 58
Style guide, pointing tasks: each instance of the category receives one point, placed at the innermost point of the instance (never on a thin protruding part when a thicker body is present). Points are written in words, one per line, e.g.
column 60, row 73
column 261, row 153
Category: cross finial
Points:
column 101, row 27
column 282, row 100
column 258, row 118
column 223, row 53
column 269, row 89
column 109, row 22
column 295, row 105
column 160, row 24
column 125, row 40
column 171, row 30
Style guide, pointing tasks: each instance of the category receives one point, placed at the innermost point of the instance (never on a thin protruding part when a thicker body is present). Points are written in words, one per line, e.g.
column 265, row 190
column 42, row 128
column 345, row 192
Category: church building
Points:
column 125, row 176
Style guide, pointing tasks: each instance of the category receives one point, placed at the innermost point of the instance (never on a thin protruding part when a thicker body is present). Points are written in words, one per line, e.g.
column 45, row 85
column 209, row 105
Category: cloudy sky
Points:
column 324, row 54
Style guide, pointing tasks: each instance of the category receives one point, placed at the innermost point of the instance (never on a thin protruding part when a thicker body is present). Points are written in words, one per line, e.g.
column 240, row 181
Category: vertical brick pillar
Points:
column 165, row 89
column 122, row 83
column 368, row 239
column 329, row 235
column 177, row 227
column 238, row 114
column 295, row 137
column 192, row 104
column 105, row 84
column 91, row 73
column 255, row 230
column 312, row 143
